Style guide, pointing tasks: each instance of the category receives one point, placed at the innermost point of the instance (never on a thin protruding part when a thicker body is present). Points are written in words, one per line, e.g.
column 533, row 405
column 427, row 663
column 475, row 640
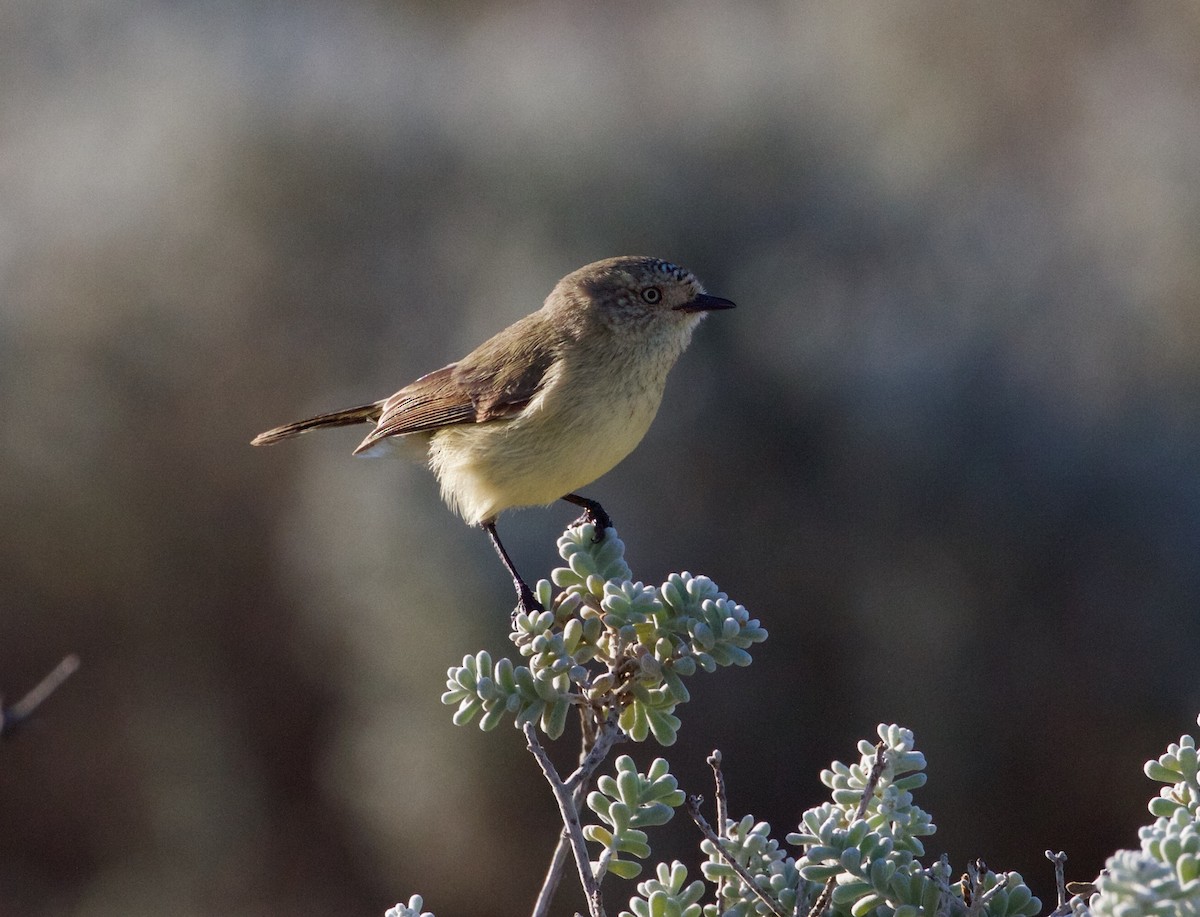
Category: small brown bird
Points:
column 550, row 403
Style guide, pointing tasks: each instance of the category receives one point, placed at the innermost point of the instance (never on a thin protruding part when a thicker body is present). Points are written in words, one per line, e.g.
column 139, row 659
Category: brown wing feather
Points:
column 494, row 382
column 503, row 374
column 432, row 401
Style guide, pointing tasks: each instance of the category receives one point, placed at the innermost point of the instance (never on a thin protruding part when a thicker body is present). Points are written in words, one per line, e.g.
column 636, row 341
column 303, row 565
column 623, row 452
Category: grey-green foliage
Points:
column 613, row 646
column 751, row 846
column 872, row 859
column 668, row 894
column 607, row 642
column 627, row 803
column 1163, row 876
column 412, row 909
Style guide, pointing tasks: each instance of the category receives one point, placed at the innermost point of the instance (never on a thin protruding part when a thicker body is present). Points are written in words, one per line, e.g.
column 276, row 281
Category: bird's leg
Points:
column 526, row 603
column 593, row 512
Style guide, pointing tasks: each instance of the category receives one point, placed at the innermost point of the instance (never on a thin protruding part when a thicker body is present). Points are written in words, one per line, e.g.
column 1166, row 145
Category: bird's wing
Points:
column 494, row 382
column 434, row 400
column 503, row 374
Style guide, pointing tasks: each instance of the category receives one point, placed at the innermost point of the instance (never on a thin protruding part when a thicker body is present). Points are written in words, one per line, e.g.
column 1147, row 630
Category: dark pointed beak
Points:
column 705, row 303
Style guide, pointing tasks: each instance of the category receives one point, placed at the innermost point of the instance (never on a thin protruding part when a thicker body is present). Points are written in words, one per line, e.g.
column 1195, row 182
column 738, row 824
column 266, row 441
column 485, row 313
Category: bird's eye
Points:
column 652, row 294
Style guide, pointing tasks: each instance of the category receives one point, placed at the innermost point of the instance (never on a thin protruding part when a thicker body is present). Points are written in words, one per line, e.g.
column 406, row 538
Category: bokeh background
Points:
column 946, row 449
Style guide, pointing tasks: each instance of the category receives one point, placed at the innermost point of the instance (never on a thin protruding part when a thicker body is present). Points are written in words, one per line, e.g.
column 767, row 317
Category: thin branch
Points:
column 1060, row 861
column 587, row 741
column 607, row 736
column 606, row 856
column 877, row 767
column 553, row 876
column 714, row 761
column 693, row 808
column 945, row 895
column 12, row 717
column 595, row 744
column 569, row 811
column 872, row 780
column 558, row 861
column 1001, row 885
column 971, row 885
column 823, row 899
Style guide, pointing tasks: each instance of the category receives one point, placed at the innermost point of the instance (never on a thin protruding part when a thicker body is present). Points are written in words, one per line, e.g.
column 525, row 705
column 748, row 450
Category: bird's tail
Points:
column 366, row 413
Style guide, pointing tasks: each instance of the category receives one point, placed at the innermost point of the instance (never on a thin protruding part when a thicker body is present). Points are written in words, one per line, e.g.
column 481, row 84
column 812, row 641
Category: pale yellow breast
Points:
column 593, row 410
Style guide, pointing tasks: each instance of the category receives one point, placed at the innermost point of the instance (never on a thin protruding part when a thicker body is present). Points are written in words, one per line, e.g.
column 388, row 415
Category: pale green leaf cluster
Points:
column 412, row 909
column 627, row 803
column 1177, row 768
column 500, row 688
column 607, row 641
column 871, row 858
column 667, row 895
column 752, row 847
column 1163, row 876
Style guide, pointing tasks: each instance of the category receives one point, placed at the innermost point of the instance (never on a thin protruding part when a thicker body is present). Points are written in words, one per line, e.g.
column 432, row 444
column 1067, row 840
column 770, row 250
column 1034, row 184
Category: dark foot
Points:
column 593, row 512
column 526, row 603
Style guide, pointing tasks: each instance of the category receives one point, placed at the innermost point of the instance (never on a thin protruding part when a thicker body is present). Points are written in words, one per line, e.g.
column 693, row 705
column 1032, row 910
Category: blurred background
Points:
column 946, row 449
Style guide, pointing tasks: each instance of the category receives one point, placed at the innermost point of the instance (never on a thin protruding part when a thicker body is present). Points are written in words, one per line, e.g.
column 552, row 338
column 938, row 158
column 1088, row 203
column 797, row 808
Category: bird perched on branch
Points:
column 547, row 405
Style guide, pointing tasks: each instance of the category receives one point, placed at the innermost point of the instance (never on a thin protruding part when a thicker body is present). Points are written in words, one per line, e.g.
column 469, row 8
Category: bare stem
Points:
column 973, row 882
column 14, row 716
column 693, row 808
column 569, row 810
column 872, row 780
column 553, row 876
column 606, row 856
column 877, row 767
column 587, row 741
column 722, row 803
column 1060, row 861
column 595, row 743
column 973, row 886
column 714, row 761
column 1001, row 885
column 606, row 737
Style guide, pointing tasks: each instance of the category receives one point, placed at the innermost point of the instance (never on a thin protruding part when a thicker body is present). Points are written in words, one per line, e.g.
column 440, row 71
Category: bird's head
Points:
column 634, row 293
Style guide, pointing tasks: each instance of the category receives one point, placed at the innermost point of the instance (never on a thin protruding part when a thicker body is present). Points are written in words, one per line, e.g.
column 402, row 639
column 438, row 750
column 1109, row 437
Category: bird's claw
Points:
column 600, row 520
column 594, row 513
column 526, row 603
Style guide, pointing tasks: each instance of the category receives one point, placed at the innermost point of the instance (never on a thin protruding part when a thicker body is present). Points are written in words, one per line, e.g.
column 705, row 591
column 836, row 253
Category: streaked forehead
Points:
column 669, row 271
column 639, row 270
